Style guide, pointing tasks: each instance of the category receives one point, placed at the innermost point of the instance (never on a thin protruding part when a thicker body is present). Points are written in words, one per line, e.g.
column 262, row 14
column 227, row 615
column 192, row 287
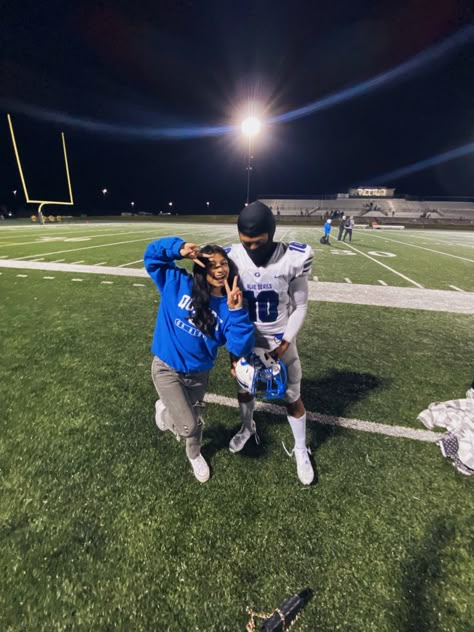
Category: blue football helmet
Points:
column 262, row 375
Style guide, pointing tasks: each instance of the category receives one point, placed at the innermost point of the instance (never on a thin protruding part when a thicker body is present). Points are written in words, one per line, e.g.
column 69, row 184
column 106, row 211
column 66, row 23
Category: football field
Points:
column 102, row 525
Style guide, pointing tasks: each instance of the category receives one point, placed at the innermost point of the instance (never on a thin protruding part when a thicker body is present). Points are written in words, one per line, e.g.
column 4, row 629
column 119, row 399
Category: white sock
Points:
column 298, row 426
column 246, row 413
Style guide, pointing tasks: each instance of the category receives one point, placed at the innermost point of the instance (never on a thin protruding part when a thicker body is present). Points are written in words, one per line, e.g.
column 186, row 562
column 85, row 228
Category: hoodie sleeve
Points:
column 160, row 257
column 239, row 333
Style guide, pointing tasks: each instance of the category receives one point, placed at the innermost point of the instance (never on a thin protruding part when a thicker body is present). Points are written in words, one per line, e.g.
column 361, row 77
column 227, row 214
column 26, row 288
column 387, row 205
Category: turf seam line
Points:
column 398, row 432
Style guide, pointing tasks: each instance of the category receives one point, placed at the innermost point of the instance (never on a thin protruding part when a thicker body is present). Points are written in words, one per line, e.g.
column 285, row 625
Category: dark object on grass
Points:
column 283, row 617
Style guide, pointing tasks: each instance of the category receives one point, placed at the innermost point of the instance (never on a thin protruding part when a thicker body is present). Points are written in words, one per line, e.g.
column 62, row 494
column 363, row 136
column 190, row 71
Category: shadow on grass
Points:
column 331, row 395
column 423, row 578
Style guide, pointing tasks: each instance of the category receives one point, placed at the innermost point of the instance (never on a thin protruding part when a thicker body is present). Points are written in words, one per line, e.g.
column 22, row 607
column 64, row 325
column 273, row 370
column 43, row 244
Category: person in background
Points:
column 274, row 277
column 348, row 226
column 341, row 228
column 198, row 313
column 327, row 231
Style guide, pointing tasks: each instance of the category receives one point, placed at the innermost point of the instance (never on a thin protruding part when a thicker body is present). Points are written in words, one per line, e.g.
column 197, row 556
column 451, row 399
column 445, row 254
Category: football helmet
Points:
column 262, row 375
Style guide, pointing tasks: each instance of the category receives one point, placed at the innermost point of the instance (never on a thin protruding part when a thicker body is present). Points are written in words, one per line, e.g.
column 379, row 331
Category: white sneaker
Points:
column 303, row 465
column 160, row 418
column 238, row 441
column 200, row 468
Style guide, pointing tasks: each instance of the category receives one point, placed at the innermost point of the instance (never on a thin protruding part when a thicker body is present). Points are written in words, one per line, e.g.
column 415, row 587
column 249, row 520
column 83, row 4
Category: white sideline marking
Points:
column 59, row 260
column 39, row 259
column 354, row 294
column 77, row 279
column 382, row 282
column 400, row 432
column 102, row 263
column 22, row 276
column 347, row 280
column 107, row 282
column 48, row 277
column 458, row 289
column 3, row 256
column 74, row 262
column 138, row 285
column 124, row 265
column 315, row 278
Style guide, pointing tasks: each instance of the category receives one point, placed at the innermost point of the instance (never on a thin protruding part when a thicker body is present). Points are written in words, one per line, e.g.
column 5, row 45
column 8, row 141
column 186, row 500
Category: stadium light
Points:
column 104, row 192
column 250, row 127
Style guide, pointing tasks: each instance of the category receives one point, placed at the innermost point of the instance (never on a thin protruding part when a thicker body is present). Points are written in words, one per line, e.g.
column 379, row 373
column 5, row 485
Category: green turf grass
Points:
column 102, row 525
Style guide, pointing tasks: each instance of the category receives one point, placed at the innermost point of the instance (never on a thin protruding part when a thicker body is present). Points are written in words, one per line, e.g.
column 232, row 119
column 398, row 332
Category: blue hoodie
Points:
column 176, row 341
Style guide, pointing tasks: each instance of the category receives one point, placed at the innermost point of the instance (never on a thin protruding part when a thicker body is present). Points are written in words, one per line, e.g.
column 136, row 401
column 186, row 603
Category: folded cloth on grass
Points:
column 457, row 416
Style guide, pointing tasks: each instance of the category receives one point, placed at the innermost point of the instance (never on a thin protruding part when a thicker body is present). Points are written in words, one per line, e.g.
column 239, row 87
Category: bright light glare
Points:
column 251, row 126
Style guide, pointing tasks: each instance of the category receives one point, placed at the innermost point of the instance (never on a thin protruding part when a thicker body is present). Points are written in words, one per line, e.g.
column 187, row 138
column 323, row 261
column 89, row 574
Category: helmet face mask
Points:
column 262, row 375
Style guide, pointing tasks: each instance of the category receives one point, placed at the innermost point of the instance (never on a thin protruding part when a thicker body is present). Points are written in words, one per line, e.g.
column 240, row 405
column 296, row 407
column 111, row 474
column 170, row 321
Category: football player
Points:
column 274, row 278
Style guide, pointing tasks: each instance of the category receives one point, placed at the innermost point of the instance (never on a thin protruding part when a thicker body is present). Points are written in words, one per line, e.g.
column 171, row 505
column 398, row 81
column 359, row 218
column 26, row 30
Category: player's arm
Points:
column 298, row 292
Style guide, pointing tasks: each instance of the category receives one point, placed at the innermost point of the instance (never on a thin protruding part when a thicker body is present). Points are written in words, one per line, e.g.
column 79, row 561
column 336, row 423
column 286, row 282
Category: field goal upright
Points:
column 41, row 203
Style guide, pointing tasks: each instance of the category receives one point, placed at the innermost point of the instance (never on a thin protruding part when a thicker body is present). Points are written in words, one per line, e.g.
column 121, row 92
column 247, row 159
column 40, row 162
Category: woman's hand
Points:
column 234, row 295
column 192, row 251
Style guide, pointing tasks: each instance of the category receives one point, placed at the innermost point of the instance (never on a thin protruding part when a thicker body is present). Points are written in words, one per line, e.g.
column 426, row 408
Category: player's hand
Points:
column 192, row 251
column 234, row 295
column 281, row 349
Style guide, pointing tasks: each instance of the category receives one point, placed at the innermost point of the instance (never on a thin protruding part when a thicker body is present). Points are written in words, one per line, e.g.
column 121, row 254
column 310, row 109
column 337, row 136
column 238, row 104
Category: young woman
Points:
column 198, row 313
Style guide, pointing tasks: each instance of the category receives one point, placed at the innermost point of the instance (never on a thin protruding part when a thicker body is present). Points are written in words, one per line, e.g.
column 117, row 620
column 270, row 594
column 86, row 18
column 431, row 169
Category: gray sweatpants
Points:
column 183, row 397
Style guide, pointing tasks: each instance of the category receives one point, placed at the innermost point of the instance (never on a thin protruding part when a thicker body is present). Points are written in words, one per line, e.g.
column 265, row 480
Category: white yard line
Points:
column 384, row 265
column 381, row 282
column 382, row 296
column 347, row 280
column 130, row 263
column 405, row 243
column 400, row 432
column 101, row 263
column 74, row 262
column 458, row 289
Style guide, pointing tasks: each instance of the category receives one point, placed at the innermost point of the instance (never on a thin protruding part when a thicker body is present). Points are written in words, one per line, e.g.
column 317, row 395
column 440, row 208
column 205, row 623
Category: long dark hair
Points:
column 201, row 313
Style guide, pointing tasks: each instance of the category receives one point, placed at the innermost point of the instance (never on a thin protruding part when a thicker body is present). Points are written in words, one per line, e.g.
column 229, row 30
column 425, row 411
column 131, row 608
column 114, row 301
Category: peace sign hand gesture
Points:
column 234, row 294
column 192, row 251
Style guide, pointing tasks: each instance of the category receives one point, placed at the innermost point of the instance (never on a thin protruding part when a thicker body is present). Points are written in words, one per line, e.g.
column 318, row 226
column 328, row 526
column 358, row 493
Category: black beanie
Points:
column 255, row 219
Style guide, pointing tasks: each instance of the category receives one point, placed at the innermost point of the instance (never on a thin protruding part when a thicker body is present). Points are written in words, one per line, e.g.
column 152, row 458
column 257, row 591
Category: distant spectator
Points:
column 341, row 228
column 327, row 232
column 348, row 226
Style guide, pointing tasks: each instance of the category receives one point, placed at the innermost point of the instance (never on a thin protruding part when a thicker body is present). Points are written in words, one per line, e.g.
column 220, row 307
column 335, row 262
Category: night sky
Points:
column 150, row 96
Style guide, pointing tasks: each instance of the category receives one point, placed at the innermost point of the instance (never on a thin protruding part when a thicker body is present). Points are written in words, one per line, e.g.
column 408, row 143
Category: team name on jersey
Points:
column 259, row 286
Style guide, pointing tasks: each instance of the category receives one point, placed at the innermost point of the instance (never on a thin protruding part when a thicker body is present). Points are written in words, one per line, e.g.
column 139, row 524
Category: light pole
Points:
column 250, row 127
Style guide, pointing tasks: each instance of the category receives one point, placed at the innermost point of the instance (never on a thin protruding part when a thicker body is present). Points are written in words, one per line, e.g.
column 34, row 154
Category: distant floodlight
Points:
column 170, row 203
column 104, row 191
column 251, row 126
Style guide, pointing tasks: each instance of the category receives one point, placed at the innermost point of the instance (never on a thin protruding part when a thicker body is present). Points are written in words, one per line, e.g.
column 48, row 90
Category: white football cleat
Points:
column 303, row 465
column 239, row 440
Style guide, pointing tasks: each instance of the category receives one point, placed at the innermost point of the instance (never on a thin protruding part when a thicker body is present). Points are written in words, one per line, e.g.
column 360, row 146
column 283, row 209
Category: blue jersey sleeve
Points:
column 239, row 333
column 160, row 257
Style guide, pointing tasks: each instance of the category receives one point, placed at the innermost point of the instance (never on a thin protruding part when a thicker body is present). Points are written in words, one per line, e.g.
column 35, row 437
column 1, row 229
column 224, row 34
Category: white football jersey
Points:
column 267, row 289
